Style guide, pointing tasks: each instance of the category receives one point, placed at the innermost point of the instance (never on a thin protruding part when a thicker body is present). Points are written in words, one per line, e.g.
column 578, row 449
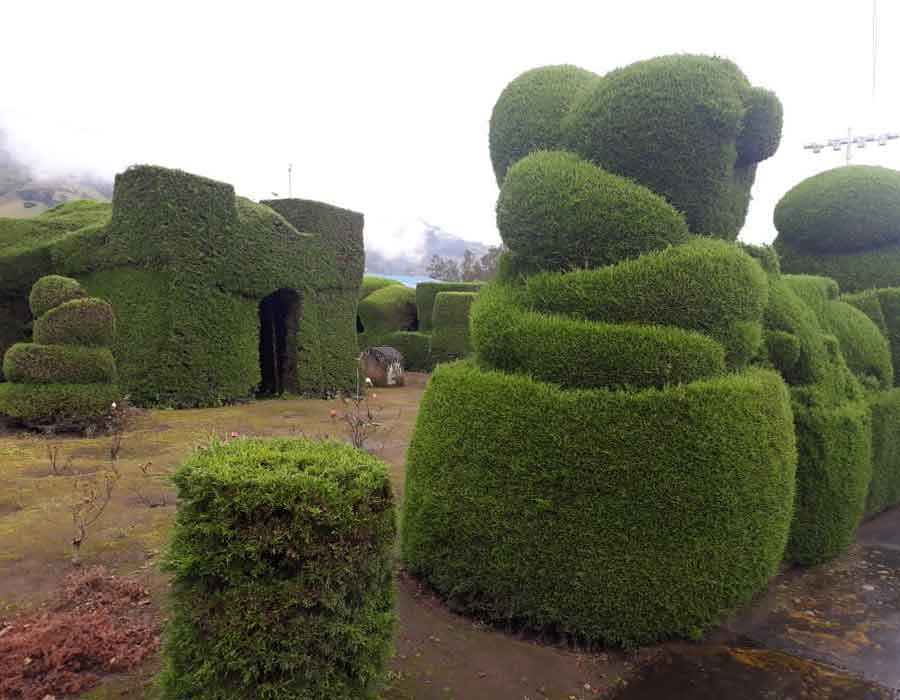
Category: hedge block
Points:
column 90, row 322
column 66, row 364
column 450, row 337
column 425, row 296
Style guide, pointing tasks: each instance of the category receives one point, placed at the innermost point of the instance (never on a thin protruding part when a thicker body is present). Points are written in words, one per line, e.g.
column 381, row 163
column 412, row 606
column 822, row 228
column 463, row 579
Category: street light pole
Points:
column 290, row 190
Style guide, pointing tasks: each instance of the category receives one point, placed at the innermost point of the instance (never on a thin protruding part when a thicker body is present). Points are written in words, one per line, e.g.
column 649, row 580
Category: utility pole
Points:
column 290, row 191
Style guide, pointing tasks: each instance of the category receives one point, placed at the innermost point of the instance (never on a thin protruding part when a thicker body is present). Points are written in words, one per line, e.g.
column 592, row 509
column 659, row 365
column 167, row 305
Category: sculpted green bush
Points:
column 372, row 283
column 426, row 292
column 282, row 563
column 558, row 212
column 450, row 337
column 51, row 291
column 388, row 309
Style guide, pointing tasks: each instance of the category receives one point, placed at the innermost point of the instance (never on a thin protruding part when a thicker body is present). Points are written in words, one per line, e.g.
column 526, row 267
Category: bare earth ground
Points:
column 440, row 655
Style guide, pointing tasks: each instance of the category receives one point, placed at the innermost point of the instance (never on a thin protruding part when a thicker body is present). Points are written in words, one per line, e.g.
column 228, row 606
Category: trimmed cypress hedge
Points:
column 854, row 272
column 529, row 113
column 884, row 490
column 558, row 212
column 89, row 322
column 706, row 285
column 691, row 128
column 61, row 405
column 283, row 584
column 51, row 291
column 597, row 513
column 65, row 364
column 391, row 308
column 882, row 306
column 372, row 283
column 586, row 354
column 426, row 293
column 415, row 348
column 450, row 337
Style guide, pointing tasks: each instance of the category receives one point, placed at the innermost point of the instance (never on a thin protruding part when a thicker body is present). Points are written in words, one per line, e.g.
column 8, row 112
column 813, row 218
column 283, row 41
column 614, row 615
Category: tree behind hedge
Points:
column 282, row 563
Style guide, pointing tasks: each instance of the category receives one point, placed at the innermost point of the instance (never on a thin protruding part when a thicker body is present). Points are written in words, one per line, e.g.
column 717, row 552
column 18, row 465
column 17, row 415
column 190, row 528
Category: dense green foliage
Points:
column 854, row 272
column 707, row 286
column 585, row 354
column 761, row 130
column 283, row 583
column 450, row 337
column 882, row 306
column 415, row 348
column 426, row 293
column 51, row 291
column 594, row 512
column 372, row 283
column 185, row 264
column 390, row 308
column 65, row 364
column 529, row 113
column 58, row 405
column 884, row 491
column 89, row 322
column 558, row 212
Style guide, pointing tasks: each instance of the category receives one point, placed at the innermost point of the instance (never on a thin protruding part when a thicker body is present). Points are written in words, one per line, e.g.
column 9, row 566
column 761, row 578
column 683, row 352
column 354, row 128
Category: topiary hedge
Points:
column 586, row 354
column 426, row 293
column 66, row 364
column 707, row 286
column 90, row 322
column 281, row 557
column 391, row 308
column 415, row 348
column 529, row 113
column 450, row 338
column 558, row 212
column 884, row 490
column 66, row 406
column 882, row 306
column 595, row 512
column 52, row 291
column 372, row 283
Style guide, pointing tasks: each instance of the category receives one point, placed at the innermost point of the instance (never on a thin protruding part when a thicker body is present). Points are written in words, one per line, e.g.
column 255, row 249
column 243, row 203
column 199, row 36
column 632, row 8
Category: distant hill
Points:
column 411, row 256
column 24, row 194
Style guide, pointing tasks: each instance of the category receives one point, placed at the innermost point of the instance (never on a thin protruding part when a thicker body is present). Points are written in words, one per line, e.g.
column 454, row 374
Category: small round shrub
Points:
column 65, row 364
column 51, row 291
column 282, row 562
column 845, row 210
column 89, row 322
column 584, row 354
column 558, row 212
column 595, row 513
column 391, row 308
column 65, row 406
column 529, row 113
column 706, row 285
column 450, row 336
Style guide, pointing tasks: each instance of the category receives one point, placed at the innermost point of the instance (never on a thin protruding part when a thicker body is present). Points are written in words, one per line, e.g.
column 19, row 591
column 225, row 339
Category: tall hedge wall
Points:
column 450, row 337
column 283, row 577
column 425, row 296
column 601, row 534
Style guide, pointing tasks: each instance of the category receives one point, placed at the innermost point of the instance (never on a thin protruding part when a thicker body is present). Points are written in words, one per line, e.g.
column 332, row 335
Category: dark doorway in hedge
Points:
column 279, row 314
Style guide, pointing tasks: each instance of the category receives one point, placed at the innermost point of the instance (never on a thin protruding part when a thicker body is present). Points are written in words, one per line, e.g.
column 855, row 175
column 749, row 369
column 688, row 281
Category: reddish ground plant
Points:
column 96, row 624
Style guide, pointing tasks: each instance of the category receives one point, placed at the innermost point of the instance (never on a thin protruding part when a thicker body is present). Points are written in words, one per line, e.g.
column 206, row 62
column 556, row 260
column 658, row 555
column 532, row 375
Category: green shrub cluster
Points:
column 415, row 347
column 450, row 337
column 690, row 128
column 882, row 306
column 372, row 283
column 185, row 265
column 557, row 211
column 281, row 557
column 390, row 308
column 426, row 292
column 598, row 513
column 708, row 286
column 585, row 354
column 884, row 491
column 66, row 378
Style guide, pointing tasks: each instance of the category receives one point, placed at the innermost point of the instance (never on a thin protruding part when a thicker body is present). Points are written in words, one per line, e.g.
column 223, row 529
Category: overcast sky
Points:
column 383, row 107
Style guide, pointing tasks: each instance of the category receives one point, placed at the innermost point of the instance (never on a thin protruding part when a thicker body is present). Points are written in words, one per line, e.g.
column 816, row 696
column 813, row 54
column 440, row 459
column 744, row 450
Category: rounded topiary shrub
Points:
column 282, row 563
column 450, row 337
column 89, row 322
column 557, row 212
column 613, row 516
column 64, row 364
column 372, row 283
column 426, row 293
column 63, row 406
column 529, row 113
column 51, row 291
column 388, row 309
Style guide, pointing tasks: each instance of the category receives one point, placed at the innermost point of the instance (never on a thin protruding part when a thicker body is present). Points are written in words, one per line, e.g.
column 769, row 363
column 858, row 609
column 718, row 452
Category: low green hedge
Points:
column 844, row 210
column 706, row 285
column 882, row 306
column 51, row 291
column 415, row 348
column 854, row 272
column 391, row 308
column 559, row 212
column 426, row 293
column 90, row 322
column 869, row 303
column 586, row 354
column 884, row 489
column 597, row 513
column 372, row 283
column 450, row 337
column 64, row 364
column 281, row 557
column 834, row 468
column 60, row 405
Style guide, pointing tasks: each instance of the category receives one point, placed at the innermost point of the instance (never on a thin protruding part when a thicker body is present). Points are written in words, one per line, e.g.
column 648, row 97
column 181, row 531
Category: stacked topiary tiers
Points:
column 610, row 466
column 66, row 377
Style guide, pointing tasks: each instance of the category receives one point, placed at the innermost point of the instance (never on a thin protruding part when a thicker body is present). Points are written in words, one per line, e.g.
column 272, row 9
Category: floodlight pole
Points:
column 290, row 191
